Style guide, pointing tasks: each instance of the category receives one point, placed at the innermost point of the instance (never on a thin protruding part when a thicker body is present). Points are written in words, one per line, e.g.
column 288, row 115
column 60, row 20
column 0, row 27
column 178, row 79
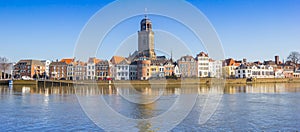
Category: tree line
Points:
column 294, row 57
column 4, row 66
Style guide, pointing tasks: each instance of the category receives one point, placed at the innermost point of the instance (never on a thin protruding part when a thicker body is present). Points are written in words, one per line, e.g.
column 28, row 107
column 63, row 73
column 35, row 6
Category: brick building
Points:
column 29, row 68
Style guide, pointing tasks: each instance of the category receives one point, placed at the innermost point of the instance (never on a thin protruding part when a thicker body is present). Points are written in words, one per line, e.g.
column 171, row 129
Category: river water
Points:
column 253, row 107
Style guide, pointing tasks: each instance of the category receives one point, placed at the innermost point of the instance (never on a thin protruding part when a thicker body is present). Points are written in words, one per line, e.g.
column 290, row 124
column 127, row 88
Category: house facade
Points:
column 102, row 70
column 143, row 69
column 202, row 65
column 229, row 66
column 157, row 69
column 29, row 68
column 91, row 68
column 187, row 66
column 215, row 68
column 133, row 71
column 169, row 68
column 47, row 67
column 254, row 71
column 58, row 70
column 122, row 70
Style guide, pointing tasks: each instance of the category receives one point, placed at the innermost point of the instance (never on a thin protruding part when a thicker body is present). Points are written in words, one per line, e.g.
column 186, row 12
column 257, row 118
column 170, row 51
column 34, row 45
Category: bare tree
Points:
column 4, row 65
column 294, row 57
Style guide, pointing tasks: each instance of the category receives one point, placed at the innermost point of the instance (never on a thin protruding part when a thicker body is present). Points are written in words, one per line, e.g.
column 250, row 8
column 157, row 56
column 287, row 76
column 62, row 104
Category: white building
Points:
column 202, row 64
column 122, row 70
column 80, row 71
column 70, row 71
column 279, row 73
column 161, row 71
column 47, row 66
column 215, row 68
column 254, row 71
column 91, row 68
column 90, row 71
column 177, row 70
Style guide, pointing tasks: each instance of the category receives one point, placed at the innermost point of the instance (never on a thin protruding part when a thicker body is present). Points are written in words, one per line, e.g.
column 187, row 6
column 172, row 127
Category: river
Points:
column 252, row 107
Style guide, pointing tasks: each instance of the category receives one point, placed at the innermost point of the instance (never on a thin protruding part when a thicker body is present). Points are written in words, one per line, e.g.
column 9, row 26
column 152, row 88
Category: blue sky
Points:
column 253, row 29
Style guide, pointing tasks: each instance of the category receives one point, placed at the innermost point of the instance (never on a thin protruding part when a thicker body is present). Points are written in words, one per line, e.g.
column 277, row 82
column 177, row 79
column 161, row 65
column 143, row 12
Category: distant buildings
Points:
column 229, row 67
column 254, row 71
column 29, row 68
column 144, row 68
column 122, row 70
column 188, row 66
column 215, row 68
column 47, row 67
column 91, row 68
column 202, row 64
column 58, row 70
column 103, row 70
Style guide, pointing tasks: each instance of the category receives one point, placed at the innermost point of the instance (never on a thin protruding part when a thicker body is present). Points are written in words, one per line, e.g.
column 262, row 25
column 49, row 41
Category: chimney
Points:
column 277, row 60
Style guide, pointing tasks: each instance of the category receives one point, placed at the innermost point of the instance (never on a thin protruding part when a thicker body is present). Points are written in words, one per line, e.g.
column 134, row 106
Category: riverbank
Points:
column 189, row 81
column 3, row 82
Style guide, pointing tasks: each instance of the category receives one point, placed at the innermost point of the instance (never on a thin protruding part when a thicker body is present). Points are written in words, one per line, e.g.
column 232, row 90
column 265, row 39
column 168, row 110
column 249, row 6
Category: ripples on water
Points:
column 261, row 107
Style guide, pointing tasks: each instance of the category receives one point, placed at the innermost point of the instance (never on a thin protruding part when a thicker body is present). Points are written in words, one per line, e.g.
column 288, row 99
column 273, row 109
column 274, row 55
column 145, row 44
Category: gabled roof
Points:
column 67, row 61
column 133, row 63
column 116, row 59
column 169, row 62
column 124, row 62
column 31, row 62
column 158, row 62
column 93, row 60
column 202, row 54
column 269, row 62
column 187, row 58
column 102, row 62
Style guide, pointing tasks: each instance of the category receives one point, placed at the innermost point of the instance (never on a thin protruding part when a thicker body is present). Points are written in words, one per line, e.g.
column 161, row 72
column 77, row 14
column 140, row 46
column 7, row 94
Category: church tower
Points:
column 146, row 39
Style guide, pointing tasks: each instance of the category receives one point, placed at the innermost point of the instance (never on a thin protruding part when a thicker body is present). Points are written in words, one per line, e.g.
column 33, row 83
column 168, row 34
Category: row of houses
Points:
column 143, row 68
column 266, row 69
column 119, row 68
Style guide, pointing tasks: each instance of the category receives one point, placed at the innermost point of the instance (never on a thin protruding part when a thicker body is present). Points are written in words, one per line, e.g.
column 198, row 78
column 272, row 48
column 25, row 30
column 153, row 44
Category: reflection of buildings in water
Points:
column 145, row 126
column 141, row 95
column 211, row 89
column 5, row 89
column 25, row 90
column 140, row 90
column 46, row 91
column 262, row 88
column 177, row 91
column 145, row 110
column 156, row 91
column 90, row 90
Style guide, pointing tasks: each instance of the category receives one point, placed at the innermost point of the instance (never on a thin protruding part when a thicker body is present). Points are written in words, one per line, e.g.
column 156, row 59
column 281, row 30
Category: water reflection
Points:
column 153, row 91
column 263, row 88
column 49, row 105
